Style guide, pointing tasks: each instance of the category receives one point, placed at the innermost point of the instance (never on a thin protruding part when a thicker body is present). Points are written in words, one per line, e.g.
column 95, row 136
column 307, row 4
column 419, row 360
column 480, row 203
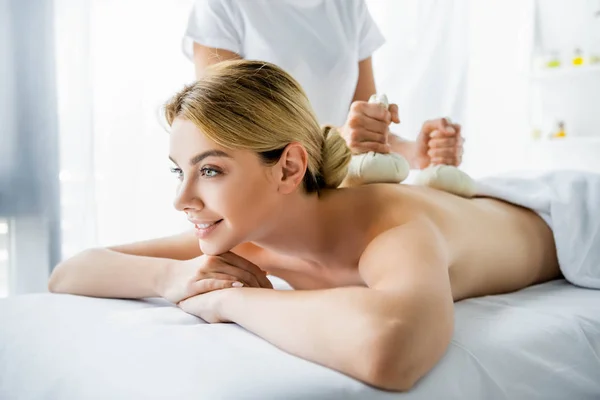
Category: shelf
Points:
column 565, row 72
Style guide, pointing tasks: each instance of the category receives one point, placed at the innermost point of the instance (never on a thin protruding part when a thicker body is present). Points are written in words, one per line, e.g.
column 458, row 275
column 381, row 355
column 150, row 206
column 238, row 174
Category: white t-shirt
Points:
column 318, row 42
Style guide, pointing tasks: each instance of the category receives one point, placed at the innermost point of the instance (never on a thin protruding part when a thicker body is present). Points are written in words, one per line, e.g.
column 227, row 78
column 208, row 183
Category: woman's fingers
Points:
column 209, row 284
column 246, row 281
column 237, row 261
column 234, row 272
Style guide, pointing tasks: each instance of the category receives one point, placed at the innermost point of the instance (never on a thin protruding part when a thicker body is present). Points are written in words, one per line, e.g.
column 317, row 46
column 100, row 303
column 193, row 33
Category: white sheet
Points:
column 540, row 343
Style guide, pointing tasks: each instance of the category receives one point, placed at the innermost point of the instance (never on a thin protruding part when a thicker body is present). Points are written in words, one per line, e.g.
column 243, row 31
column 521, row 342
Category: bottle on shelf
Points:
column 552, row 60
column 578, row 57
column 560, row 133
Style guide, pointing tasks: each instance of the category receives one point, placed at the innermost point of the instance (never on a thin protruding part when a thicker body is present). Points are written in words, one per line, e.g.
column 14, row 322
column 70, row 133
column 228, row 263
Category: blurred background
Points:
column 83, row 151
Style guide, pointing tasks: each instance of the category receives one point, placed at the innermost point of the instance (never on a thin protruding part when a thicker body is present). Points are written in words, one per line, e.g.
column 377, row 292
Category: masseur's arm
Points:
column 205, row 56
column 388, row 335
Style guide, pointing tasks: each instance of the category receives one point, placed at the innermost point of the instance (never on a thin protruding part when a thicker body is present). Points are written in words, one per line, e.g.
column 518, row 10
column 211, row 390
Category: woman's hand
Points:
column 184, row 279
column 367, row 127
column 439, row 142
column 206, row 306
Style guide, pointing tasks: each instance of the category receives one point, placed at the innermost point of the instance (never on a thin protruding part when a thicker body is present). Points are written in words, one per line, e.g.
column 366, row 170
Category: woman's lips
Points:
column 203, row 230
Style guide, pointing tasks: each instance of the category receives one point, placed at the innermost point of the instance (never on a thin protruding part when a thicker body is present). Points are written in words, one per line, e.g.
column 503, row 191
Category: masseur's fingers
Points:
column 360, row 135
column 365, row 147
column 443, row 143
column 445, row 153
column 372, row 125
column 394, row 113
column 367, row 127
column 454, row 161
column 440, row 142
column 441, row 125
column 371, row 110
column 446, row 148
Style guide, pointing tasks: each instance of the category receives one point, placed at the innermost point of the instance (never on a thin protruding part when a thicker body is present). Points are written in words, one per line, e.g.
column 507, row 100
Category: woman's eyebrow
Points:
column 209, row 153
column 199, row 157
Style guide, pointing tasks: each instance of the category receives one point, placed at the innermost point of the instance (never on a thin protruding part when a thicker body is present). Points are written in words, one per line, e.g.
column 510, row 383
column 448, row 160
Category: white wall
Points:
column 500, row 34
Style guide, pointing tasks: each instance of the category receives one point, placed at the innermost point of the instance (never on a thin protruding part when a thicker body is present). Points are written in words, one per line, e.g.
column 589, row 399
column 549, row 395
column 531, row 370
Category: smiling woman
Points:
column 258, row 179
column 217, row 106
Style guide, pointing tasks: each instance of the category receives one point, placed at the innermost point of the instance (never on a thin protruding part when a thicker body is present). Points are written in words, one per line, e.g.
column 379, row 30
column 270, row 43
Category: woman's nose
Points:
column 186, row 198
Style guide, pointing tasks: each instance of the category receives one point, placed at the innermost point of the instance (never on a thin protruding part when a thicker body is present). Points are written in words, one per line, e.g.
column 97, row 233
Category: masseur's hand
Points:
column 367, row 127
column 183, row 279
column 439, row 142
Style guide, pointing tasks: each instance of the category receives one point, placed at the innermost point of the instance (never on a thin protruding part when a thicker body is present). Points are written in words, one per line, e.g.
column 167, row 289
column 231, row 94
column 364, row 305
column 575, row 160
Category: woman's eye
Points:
column 209, row 172
column 178, row 172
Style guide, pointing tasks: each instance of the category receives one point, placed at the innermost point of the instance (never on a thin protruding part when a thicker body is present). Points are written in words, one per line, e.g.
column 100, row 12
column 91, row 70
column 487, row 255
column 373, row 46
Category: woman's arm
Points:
column 205, row 56
column 388, row 335
column 127, row 271
column 171, row 267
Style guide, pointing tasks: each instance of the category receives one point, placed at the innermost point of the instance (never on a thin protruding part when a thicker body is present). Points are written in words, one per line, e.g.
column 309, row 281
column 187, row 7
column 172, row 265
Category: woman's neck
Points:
column 308, row 227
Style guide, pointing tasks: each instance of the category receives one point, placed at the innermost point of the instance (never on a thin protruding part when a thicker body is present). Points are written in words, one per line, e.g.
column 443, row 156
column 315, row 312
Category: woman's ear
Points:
column 293, row 164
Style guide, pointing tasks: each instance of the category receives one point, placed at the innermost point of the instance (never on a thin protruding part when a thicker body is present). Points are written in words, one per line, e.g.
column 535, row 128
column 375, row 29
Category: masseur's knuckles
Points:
column 367, row 128
column 440, row 142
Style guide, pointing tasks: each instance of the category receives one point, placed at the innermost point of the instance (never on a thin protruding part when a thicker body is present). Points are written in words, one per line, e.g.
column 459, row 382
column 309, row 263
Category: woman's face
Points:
column 229, row 195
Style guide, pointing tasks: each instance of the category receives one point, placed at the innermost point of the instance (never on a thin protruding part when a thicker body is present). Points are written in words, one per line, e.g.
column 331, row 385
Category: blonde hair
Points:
column 254, row 105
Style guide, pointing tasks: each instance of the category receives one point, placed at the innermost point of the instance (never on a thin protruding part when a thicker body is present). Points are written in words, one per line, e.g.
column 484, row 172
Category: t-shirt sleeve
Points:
column 369, row 35
column 213, row 23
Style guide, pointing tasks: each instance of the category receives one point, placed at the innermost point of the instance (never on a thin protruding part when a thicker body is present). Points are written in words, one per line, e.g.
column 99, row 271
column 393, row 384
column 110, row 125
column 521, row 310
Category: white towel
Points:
column 569, row 202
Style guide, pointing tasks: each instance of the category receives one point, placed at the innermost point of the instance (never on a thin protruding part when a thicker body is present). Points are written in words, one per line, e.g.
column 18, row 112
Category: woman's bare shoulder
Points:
column 394, row 203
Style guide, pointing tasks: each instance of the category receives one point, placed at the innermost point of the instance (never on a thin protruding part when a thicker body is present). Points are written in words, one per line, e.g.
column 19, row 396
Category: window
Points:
column 4, row 257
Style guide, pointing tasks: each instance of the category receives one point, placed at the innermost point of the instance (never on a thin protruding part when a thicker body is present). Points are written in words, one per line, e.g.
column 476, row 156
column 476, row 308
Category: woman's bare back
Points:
column 494, row 247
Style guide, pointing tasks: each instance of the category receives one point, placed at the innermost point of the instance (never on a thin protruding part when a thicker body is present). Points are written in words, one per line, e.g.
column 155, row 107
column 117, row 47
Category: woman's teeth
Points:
column 204, row 226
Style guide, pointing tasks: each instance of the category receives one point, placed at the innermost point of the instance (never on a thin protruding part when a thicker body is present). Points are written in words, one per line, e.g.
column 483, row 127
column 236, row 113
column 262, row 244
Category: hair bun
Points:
column 335, row 158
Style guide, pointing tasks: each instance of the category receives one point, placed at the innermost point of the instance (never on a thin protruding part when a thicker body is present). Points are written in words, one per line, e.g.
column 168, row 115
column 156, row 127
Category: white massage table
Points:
column 539, row 343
